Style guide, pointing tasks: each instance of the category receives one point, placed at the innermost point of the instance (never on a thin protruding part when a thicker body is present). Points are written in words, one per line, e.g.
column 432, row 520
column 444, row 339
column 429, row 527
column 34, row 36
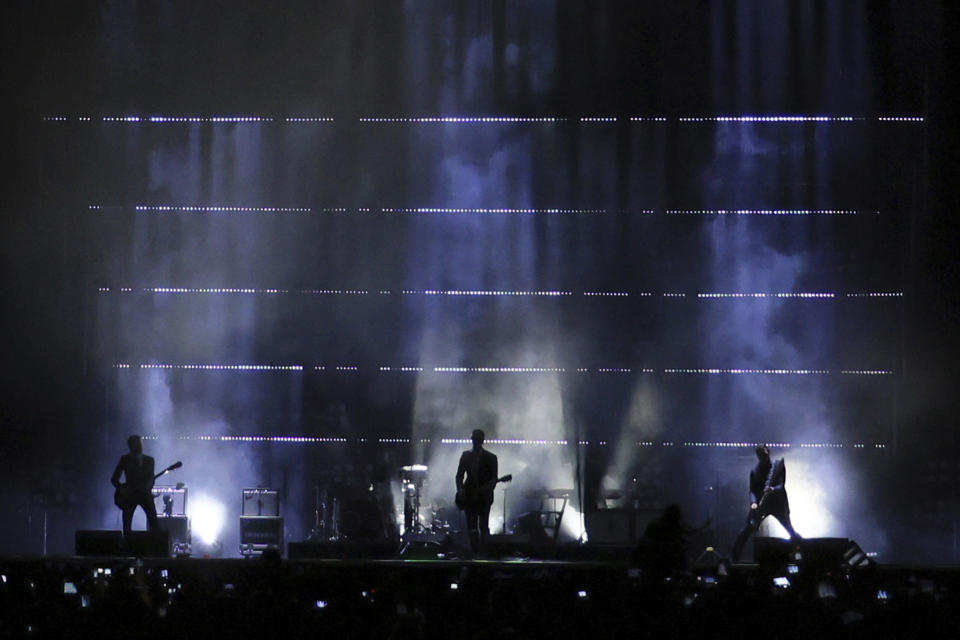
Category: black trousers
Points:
column 776, row 505
column 478, row 525
column 144, row 500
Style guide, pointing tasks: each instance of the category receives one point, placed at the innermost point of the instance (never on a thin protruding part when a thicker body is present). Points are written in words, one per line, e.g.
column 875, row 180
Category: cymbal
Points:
column 414, row 468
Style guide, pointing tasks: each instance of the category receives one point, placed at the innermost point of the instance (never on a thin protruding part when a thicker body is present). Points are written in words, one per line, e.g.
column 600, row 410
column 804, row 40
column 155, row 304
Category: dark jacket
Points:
column 138, row 477
column 486, row 474
column 775, row 472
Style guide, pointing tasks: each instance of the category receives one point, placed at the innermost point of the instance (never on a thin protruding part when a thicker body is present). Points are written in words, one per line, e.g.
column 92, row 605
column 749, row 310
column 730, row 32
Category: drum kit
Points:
column 350, row 511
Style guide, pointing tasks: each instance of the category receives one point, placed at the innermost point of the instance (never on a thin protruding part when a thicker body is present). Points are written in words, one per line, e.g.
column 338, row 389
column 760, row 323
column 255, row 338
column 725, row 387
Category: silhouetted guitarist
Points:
column 768, row 497
column 135, row 491
column 476, row 478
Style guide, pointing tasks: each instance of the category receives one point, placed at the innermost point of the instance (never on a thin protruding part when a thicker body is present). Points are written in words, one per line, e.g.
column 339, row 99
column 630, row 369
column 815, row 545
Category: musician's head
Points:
column 477, row 437
column 135, row 444
column 763, row 453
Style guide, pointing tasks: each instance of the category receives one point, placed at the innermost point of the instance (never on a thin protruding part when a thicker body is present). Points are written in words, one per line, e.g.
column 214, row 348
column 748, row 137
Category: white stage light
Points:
column 572, row 525
column 207, row 516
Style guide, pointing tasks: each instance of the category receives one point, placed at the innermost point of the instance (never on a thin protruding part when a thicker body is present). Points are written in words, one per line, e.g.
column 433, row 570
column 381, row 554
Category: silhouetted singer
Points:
column 135, row 490
column 768, row 497
column 476, row 478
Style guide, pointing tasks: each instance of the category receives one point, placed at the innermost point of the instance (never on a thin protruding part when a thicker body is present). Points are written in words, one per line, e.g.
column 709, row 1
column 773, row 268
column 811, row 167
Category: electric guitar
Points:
column 469, row 495
column 762, row 504
column 767, row 497
column 124, row 494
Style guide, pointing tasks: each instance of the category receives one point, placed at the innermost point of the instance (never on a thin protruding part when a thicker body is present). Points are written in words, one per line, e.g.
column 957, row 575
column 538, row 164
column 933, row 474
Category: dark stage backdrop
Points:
column 299, row 246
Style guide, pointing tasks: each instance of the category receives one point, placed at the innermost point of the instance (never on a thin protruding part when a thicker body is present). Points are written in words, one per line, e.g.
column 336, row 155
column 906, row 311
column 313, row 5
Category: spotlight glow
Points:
column 572, row 524
column 207, row 516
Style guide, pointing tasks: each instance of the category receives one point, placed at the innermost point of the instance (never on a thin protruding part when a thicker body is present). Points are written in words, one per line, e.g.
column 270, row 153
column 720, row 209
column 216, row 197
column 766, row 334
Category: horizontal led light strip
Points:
column 460, row 119
column 799, row 118
column 802, row 445
column 221, row 367
column 769, row 212
column 207, row 290
column 464, row 119
column 220, row 209
column 540, row 442
column 820, row 372
column 866, row 372
column 479, row 292
column 552, row 293
column 420, row 369
column 772, row 118
column 765, row 295
column 876, row 294
column 499, row 369
column 186, row 119
column 490, row 210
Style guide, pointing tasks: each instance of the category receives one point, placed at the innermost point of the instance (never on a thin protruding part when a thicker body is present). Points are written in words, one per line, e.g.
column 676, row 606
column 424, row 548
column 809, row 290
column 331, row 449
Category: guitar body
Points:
column 464, row 498
column 469, row 496
column 125, row 495
column 768, row 504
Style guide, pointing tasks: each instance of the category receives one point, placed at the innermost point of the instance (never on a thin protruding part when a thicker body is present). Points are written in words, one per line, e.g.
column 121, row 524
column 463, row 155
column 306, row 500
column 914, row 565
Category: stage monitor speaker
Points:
column 111, row 543
column 811, row 554
column 856, row 558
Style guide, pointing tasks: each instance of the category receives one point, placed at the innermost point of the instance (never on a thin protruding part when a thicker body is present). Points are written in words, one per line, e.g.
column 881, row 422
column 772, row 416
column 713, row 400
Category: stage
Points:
column 338, row 267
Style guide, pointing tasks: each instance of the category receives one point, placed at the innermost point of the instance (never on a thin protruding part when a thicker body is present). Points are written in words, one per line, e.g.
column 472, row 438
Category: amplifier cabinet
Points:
column 258, row 533
column 179, row 529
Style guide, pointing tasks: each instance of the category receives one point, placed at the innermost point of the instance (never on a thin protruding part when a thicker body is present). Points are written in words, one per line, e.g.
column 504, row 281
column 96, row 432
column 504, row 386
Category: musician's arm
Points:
column 496, row 471
column 115, row 478
column 754, row 498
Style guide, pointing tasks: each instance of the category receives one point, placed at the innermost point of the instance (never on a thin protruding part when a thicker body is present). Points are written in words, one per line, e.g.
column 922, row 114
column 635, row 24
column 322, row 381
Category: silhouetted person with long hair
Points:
column 135, row 491
column 476, row 478
column 768, row 497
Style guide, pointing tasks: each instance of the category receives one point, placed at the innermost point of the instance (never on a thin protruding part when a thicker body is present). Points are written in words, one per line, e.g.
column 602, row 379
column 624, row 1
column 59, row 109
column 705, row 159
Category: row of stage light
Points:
column 495, row 370
column 564, row 211
column 168, row 119
column 858, row 446
column 553, row 293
